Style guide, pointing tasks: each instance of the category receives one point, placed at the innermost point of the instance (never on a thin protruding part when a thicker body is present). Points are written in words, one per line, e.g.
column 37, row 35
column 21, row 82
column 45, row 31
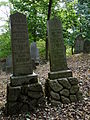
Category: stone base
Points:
column 60, row 74
column 24, row 98
column 62, row 90
column 23, row 80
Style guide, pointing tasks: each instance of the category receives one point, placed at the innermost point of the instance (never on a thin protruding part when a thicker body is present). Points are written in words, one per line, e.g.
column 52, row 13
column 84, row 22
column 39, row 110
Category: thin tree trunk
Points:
column 48, row 17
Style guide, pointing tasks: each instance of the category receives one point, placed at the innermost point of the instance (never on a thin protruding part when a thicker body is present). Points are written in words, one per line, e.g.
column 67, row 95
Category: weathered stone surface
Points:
column 22, row 80
column 55, row 85
column 25, row 108
column 65, row 99
column 54, row 95
column 64, row 92
column 60, row 74
column 35, row 87
column 74, row 89
column 23, row 98
column 65, row 83
column 13, row 93
column 41, row 101
column 86, row 48
column 56, row 46
column 79, row 96
column 73, row 98
column 34, row 52
column 55, row 103
column 13, row 108
column 35, row 94
column 79, row 43
column 20, row 45
column 73, row 80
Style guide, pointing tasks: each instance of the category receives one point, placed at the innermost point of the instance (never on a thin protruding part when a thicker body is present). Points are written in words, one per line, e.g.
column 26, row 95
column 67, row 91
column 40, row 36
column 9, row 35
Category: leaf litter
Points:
column 80, row 66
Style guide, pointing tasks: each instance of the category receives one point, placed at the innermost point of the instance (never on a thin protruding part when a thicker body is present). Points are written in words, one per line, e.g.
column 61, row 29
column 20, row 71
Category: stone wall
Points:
column 63, row 90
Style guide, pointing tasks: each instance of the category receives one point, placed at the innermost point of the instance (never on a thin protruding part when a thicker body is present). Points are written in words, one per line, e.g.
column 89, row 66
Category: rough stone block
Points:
column 35, row 94
column 22, row 80
column 73, row 98
column 54, row 84
column 74, row 89
column 35, row 87
column 73, row 80
column 13, row 93
column 55, row 95
column 79, row 96
column 13, row 108
column 55, row 103
column 60, row 74
column 65, row 100
column 65, row 83
column 64, row 92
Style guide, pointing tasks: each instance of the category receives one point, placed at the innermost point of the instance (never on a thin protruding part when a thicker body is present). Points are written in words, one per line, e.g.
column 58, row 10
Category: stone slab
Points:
column 21, row 61
column 60, row 74
column 56, row 45
column 22, row 80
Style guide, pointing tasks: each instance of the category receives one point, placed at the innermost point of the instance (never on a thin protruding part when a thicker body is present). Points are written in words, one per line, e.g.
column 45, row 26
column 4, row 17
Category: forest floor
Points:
column 80, row 66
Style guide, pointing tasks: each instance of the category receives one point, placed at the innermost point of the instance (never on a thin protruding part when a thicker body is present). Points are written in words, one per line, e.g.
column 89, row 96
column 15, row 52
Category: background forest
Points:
column 74, row 14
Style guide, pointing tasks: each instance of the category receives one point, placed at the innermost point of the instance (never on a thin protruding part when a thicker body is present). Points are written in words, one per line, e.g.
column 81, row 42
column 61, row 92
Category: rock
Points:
column 23, row 98
column 41, row 101
column 86, row 48
column 25, row 108
column 74, row 89
column 55, row 103
column 73, row 98
column 55, row 95
column 65, row 99
column 35, row 87
column 73, row 81
column 35, row 94
column 55, row 85
column 13, row 93
column 64, row 92
column 65, row 83
column 13, row 108
column 79, row 96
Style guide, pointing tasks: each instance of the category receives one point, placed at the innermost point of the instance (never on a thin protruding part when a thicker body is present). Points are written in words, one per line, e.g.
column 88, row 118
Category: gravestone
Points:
column 9, row 64
column 86, row 48
column 34, row 52
column 79, row 43
column 24, row 91
column 60, row 87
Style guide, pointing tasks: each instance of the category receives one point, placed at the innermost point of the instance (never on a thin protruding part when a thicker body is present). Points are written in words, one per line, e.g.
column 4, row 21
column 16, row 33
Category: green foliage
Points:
column 74, row 14
column 5, row 45
column 41, row 47
column 83, row 11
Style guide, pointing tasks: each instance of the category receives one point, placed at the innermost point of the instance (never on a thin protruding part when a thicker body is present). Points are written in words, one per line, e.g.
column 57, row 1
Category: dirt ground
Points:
column 80, row 66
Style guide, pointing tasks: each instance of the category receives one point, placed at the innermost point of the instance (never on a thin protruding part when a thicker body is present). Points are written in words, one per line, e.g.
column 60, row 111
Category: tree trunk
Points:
column 72, row 50
column 48, row 17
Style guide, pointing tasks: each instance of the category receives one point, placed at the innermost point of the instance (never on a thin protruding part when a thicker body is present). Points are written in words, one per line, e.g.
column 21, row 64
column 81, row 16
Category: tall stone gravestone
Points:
column 24, row 92
column 60, row 87
column 79, row 44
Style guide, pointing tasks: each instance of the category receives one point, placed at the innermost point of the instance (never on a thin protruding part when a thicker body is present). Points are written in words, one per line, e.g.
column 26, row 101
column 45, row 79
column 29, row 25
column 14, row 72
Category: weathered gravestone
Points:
column 34, row 52
column 24, row 92
column 86, row 48
column 9, row 64
column 79, row 43
column 60, row 86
